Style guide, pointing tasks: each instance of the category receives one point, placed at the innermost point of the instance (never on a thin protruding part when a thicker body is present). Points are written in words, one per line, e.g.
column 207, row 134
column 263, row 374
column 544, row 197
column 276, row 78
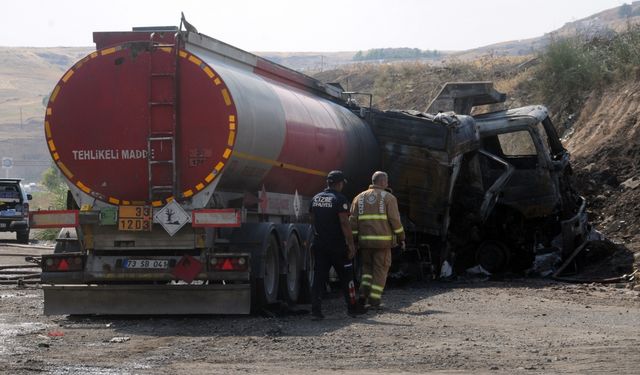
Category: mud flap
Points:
column 146, row 299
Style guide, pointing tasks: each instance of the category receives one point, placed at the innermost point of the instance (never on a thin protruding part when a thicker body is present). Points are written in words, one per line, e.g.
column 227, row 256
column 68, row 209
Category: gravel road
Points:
column 515, row 326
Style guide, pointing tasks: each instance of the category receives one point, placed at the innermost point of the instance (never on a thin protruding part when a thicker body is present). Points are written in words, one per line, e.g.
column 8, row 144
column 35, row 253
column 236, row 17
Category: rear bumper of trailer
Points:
column 146, row 299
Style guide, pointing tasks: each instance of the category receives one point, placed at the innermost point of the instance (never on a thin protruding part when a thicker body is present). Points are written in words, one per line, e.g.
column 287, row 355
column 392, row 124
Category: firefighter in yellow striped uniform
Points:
column 375, row 222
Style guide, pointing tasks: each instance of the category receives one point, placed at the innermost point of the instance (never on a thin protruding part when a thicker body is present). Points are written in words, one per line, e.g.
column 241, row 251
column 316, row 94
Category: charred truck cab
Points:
column 512, row 198
column 488, row 190
column 538, row 206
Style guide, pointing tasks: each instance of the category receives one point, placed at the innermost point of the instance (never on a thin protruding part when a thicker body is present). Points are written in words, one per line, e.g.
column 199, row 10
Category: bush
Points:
column 53, row 181
column 54, row 198
column 572, row 68
column 625, row 53
column 568, row 71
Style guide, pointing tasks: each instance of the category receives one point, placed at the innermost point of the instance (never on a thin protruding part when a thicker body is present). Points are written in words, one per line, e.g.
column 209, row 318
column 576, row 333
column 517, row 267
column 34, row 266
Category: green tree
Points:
column 53, row 181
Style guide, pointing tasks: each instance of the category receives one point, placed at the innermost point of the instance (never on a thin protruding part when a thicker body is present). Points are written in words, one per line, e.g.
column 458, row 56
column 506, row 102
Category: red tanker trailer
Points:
column 190, row 160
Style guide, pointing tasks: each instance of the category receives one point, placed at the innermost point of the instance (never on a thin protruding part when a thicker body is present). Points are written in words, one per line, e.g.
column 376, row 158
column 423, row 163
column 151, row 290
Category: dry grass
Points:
column 27, row 76
column 412, row 85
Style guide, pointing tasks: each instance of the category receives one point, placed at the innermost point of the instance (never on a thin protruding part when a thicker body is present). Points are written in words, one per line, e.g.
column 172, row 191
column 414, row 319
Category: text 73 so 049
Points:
column 146, row 263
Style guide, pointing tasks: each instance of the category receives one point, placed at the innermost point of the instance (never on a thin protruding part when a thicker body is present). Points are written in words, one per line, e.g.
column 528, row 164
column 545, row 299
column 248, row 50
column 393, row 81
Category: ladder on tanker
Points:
column 163, row 108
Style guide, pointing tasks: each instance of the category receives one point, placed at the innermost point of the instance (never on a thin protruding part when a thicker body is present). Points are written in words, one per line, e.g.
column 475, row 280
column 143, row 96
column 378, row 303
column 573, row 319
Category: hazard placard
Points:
column 134, row 218
column 172, row 217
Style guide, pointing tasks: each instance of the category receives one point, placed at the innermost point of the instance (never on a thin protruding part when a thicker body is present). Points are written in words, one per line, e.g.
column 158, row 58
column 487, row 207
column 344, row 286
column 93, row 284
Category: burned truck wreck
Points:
column 489, row 191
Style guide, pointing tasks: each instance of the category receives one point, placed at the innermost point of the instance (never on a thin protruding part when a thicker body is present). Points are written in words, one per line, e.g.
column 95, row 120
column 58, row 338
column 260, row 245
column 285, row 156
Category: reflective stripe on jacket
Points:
column 375, row 220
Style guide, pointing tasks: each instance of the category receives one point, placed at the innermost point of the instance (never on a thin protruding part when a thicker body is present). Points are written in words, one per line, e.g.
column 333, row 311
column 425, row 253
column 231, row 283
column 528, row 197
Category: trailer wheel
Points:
column 308, row 276
column 307, row 262
column 294, row 268
column 266, row 286
column 493, row 256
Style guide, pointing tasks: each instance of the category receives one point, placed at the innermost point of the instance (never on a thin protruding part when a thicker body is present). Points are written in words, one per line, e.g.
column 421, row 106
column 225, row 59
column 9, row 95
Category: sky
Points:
column 299, row 25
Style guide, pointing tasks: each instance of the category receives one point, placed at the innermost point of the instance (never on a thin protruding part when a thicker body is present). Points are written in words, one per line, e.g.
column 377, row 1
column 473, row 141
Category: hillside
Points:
column 605, row 146
column 611, row 20
column 27, row 76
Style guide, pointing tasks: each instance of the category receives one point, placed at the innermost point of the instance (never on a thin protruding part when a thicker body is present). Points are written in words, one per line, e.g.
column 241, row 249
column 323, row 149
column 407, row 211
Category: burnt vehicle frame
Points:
column 491, row 190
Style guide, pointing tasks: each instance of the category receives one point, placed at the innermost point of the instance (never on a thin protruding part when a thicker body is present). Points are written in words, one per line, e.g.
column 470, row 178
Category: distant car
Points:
column 14, row 208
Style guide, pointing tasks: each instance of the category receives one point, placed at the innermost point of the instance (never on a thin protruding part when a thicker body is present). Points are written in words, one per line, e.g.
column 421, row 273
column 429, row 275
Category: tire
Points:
column 309, row 275
column 295, row 274
column 23, row 236
column 493, row 256
column 308, row 263
column 265, row 286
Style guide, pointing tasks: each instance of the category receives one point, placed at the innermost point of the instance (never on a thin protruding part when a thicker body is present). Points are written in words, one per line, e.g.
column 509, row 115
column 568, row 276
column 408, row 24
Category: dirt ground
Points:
column 478, row 326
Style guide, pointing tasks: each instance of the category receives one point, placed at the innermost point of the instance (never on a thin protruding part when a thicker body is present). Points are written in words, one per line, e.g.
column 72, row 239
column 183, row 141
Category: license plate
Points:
column 146, row 263
column 3, row 225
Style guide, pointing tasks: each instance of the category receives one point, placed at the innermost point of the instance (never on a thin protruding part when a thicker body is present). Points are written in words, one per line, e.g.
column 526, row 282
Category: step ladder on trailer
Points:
column 163, row 106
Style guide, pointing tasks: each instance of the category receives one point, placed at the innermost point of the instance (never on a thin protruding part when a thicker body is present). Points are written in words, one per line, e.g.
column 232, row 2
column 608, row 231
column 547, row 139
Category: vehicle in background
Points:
column 14, row 208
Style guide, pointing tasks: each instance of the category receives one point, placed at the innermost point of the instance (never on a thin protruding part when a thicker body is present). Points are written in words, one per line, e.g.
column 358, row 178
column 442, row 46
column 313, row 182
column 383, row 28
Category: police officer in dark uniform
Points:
column 333, row 244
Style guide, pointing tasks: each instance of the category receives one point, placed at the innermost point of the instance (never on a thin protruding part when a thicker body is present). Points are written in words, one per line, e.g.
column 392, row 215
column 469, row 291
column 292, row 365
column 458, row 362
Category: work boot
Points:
column 363, row 300
column 356, row 309
column 316, row 315
column 375, row 306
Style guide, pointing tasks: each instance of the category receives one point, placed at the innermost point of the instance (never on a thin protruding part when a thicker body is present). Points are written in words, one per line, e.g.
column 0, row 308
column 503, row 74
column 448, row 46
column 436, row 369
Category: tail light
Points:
column 227, row 263
column 25, row 209
column 62, row 264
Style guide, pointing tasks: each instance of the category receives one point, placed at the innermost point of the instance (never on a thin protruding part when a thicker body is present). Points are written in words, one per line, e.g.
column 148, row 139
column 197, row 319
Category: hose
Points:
column 612, row 280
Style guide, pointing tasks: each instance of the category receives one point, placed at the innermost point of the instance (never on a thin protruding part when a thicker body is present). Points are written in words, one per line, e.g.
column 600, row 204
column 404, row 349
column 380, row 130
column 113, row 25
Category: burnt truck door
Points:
column 532, row 190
